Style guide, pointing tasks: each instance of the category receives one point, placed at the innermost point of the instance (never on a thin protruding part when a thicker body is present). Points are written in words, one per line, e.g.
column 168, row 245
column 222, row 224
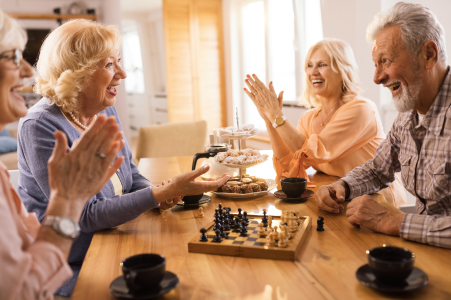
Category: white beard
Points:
column 406, row 100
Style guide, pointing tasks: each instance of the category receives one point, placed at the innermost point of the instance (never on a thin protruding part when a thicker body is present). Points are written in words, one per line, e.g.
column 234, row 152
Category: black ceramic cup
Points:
column 391, row 264
column 293, row 187
column 192, row 199
column 143, row 271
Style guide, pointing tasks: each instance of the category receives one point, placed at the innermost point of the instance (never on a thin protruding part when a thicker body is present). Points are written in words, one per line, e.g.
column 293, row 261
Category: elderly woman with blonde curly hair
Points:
column 79, row 70
column 342, row 132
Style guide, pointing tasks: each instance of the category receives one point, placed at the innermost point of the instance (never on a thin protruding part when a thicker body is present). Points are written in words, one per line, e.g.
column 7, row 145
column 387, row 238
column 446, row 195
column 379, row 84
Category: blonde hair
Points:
column 69, row 56
column 12, row 36
column 342, row 62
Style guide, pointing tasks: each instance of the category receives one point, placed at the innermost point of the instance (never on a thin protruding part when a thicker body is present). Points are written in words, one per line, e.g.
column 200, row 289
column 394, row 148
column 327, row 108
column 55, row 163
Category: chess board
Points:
column 252, row 245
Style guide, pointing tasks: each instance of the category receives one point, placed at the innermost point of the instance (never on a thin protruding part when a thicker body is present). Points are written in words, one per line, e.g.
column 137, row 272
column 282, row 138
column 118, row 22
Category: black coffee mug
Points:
column 192, row 199
column 293, row 187
column 143, row 271
column 390, row 264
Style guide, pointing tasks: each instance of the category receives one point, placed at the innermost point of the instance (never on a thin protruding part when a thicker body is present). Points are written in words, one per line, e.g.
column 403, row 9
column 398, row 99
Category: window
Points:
column 131, row 58
column 272, row 39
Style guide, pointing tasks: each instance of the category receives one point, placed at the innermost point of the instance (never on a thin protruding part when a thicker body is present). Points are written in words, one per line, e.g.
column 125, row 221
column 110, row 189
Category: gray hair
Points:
column 12, row 36
column 417, row 23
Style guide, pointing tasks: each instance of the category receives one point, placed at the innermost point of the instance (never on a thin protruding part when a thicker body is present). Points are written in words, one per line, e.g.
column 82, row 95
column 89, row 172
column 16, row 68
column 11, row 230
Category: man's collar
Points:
column 435, row 117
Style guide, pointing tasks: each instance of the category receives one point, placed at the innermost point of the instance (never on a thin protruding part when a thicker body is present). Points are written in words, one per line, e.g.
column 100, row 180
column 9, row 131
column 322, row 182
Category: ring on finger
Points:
column 168, row 201
column 255, row 94
column 101, row 154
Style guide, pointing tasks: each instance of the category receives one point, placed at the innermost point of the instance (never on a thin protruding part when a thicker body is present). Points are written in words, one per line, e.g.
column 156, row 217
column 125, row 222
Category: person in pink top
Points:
column 33, row 257
column 343, row 130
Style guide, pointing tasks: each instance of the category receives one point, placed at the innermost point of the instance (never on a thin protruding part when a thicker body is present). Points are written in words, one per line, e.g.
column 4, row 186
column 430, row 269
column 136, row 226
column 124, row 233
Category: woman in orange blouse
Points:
column 342, row 132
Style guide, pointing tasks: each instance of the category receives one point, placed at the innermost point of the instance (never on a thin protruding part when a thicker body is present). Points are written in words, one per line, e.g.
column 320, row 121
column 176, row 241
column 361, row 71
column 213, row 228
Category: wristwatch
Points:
column 279, row 121
column 64, row 226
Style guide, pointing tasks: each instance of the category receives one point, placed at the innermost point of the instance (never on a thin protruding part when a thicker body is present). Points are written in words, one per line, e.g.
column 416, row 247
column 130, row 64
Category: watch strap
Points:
column 54, row 223
column 275, row 125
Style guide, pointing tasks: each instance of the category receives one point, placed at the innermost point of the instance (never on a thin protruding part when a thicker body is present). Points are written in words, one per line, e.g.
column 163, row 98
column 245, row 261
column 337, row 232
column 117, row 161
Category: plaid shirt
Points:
column 422, row 153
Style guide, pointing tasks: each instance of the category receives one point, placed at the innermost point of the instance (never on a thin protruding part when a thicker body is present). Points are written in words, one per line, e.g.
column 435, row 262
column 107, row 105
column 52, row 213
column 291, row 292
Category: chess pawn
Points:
column 270, row 240
column 261, row 230
column 282, row 240
column 292, row 226
column 240, row 216
column 276, row 234
column 265, row 218
column 270, row 221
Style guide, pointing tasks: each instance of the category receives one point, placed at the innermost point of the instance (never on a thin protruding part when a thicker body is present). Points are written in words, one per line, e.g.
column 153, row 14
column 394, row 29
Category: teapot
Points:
column 216, row 170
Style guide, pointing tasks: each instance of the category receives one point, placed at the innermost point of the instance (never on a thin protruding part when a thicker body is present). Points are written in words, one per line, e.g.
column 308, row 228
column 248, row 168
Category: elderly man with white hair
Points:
column 410, row 59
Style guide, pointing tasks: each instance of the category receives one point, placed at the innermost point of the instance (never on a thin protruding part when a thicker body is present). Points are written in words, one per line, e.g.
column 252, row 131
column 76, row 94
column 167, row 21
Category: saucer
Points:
column 415, row 280
column 281, row 195
column 203, row 200
column 119, row 288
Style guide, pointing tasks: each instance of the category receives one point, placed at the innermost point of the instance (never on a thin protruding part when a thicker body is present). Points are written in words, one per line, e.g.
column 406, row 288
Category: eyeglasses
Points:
column 16, row 57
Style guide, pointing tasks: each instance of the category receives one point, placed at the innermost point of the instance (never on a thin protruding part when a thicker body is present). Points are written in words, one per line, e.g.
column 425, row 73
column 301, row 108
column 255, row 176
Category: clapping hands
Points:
column 268, row 104
column 78, row 174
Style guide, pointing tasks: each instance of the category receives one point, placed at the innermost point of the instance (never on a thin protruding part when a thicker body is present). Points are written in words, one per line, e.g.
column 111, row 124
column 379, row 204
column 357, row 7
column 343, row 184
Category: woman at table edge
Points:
column 342, row 132
column 33, row 257
column 79, row 71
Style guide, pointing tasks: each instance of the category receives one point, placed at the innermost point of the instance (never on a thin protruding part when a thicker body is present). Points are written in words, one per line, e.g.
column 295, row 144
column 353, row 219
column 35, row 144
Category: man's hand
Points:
column 330, row 196
column 364, row 211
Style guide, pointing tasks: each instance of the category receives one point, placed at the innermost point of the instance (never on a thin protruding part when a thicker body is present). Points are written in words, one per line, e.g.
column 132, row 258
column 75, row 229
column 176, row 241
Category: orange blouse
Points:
column 349, row 140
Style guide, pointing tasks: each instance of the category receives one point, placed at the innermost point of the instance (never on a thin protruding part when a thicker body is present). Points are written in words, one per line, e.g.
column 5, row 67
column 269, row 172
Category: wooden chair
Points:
column 172, row 139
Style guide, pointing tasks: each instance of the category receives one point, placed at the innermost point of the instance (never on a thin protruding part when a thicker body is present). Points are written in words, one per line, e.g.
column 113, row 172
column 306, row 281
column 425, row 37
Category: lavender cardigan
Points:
column 105, row 210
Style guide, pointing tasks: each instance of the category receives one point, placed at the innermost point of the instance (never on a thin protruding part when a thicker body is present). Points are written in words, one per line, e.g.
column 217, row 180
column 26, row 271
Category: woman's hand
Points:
column 269, row 106
column 78, row 174
column 185, row 184
column 169, row 203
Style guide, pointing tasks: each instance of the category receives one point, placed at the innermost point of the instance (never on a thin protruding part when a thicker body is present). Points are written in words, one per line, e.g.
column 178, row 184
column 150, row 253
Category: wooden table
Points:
column 324, row 269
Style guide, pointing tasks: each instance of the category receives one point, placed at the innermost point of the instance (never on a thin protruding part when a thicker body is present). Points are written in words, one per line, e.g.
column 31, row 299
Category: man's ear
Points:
column 429, row 53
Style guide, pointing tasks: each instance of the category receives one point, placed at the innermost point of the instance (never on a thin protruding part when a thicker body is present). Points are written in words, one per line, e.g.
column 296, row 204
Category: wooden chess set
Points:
column 252, row 236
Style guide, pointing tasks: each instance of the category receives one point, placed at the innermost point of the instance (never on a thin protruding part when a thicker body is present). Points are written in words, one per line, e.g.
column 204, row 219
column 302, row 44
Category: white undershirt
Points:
column 420, row 118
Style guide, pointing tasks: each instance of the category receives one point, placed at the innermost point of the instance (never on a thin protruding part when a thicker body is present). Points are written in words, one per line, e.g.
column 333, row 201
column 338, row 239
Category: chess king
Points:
column 409, row 54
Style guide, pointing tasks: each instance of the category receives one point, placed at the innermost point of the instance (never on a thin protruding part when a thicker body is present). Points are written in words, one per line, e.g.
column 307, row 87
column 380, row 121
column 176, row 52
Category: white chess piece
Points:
column 201, row 212
column 276, row 234
column 270, row 240
column 282, row 240
column 270, row 221
column 261, row 230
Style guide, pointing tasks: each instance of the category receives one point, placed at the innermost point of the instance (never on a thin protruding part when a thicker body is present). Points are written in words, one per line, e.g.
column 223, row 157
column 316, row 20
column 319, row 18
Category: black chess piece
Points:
column 245, row 218
column 203, row 237
column 320, row 223
column 226, row 224
column 217, row 238
column 243, row 229
column 216, row 213
column 220, row 207
column 237, row 221
column 217, row 222
column 240, row 216
column 223, row 234
column 232, row 223
column 265, row 219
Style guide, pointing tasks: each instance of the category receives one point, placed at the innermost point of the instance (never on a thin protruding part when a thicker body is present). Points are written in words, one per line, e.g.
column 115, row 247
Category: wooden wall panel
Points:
column 195, row 61
column 176, row 20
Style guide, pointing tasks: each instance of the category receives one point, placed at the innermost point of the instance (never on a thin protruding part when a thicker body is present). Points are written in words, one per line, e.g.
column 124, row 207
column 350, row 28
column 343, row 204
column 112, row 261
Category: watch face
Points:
column 67, row 227
column 280, row 121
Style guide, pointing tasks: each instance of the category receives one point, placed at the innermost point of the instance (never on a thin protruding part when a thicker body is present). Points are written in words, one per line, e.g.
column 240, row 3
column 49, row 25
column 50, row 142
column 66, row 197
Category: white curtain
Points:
column 308, row 31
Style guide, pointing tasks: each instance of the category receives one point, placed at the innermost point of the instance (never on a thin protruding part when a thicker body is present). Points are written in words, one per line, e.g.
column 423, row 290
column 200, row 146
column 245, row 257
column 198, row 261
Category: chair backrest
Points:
column 173, row 139
column 14, row 177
